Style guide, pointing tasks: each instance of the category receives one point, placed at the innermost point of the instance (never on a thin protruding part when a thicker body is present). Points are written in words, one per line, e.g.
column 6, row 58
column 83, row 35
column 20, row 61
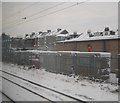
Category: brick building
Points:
column 99, row 44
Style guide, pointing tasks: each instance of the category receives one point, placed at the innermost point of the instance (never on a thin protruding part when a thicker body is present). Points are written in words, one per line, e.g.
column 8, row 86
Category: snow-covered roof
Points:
column 30, row 36
column 26, row 37
column 58, row 32
column 39, row 35
column 85, row 37
column 52, row 33
column 62, row 35
column 42, row 34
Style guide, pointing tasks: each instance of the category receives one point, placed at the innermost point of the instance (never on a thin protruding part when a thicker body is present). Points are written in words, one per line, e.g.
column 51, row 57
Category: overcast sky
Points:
column 89, row 15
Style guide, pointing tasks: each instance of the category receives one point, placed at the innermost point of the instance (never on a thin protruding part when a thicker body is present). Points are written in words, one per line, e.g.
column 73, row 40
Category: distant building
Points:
column 100, row 43
column 44, row 40
column 17, row 42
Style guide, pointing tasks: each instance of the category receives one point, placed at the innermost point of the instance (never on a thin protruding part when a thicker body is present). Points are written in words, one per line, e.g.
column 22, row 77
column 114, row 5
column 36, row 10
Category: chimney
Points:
column 48, row 31
column 40, row 32
column 58, row 29
column 33, row 33
column 26, row 35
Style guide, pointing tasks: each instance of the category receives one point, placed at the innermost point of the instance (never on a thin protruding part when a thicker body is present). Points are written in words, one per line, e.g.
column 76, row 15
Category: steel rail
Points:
column 7, row 97
column 45, row 87
column 28, row 90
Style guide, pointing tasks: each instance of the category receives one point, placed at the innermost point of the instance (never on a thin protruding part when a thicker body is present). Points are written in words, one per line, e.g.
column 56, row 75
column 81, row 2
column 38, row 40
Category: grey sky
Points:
column 80, row 18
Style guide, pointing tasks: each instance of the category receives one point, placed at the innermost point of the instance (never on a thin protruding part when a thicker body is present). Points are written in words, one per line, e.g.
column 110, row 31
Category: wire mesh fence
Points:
column 94, row 64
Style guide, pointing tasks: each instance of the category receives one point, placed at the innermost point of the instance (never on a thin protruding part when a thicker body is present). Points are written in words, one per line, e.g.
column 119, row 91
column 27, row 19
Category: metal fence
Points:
column 96, row 64
column 115, row 65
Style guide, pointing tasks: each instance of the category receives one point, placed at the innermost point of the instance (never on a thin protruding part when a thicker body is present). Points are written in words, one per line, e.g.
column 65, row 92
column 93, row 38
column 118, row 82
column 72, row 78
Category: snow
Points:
column 18, row 94
column 62, row 35
column 78, row 87
column 85, row 37
column 39, row 51
column 42, row 34
column 37, row 89
column 107, row 54
column 53, row 33
column 56, row 34
column 3, row 98
column 39, row 35
column 113, row 78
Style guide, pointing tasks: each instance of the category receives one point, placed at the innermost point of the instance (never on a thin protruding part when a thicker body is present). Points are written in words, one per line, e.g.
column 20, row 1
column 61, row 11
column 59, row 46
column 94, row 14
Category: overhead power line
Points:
column 15, row 21
column 19, row 11
column 46, row 9
column 48, row 14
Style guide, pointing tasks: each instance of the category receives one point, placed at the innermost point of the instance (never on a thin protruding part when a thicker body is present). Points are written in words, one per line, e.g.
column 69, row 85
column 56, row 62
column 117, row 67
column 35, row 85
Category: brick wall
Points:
column 111, row 46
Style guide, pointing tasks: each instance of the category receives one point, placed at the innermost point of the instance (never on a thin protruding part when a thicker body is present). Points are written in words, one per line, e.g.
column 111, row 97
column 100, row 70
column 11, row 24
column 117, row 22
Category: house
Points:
column 47, row 40
column 100, row 43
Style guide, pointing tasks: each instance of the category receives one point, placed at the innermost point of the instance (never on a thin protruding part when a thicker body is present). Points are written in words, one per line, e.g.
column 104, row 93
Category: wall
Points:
column 111, row 46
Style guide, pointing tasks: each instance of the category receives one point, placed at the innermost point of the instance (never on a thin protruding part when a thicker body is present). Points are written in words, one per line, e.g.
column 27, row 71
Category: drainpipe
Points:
column 75, row 47
column 104, row 46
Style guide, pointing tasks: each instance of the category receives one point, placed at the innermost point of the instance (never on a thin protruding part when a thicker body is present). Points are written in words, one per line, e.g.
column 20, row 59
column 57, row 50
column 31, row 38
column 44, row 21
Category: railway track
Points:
column 29, row 90
column 7, row 98
column 41, row 86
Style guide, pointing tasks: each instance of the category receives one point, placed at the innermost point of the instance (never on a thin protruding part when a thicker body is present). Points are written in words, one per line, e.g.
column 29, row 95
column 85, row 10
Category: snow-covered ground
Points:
column 4, row 98
column 17, row 93
column 80, row 88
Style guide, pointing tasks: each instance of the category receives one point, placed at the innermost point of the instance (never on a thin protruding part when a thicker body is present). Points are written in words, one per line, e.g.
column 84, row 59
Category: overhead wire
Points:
column 46, row 9
column 14, row 14
column 48, row 14
column 39, row 12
